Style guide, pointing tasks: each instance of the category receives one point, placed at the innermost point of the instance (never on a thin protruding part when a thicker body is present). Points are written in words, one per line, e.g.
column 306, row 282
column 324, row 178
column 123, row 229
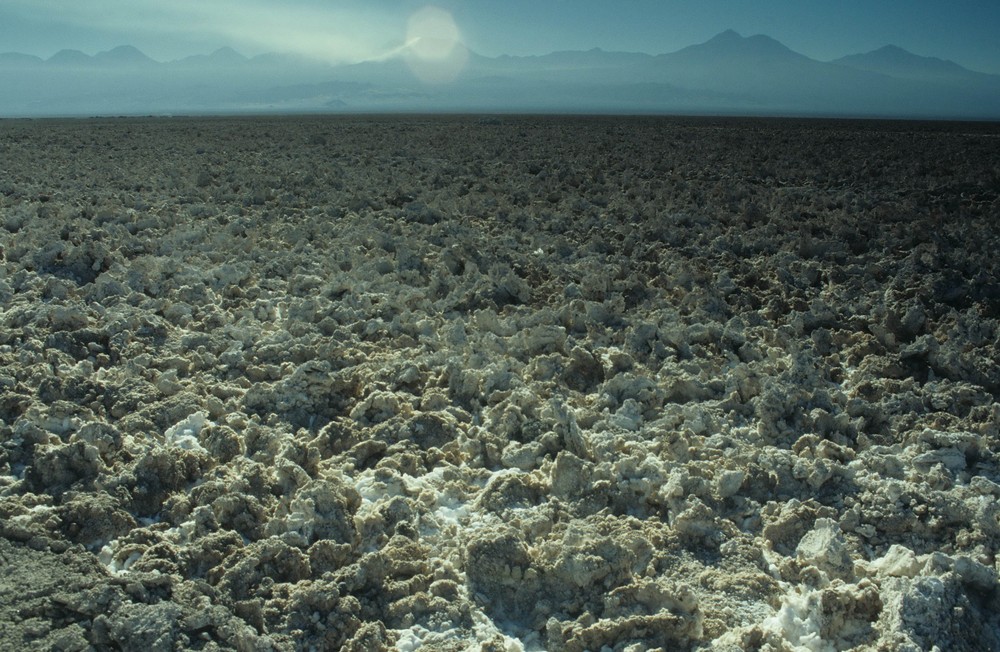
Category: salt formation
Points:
column 184, row 434
column 519, row 384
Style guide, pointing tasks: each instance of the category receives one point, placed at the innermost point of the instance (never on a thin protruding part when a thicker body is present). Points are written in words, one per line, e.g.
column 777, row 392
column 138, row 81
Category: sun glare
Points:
column 435, row 51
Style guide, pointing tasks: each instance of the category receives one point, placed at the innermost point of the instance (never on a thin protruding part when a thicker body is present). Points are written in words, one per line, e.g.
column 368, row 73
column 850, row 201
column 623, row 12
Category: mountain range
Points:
column 728, row 74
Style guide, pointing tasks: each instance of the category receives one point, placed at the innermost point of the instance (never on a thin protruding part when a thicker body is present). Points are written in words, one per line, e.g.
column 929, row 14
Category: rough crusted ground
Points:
column 485, row 384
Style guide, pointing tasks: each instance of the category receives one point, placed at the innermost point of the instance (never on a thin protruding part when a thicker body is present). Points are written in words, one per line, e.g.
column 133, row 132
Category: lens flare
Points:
column 434, row 49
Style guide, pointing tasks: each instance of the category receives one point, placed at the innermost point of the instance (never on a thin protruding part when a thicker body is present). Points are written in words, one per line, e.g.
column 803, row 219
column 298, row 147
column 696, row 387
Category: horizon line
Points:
column 394, row 51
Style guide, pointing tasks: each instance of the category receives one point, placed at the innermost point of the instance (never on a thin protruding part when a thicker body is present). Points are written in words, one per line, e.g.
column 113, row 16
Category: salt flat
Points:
column 458, row 382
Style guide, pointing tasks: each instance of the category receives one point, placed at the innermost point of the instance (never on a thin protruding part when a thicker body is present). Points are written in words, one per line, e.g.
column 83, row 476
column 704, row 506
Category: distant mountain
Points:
column 70, row 58
column 595, row 58
column 222, row 57
column 123, row 55
column 733, row 62
column 729, row 74
column 729, row 45
column 897, row 62
column 227, row 57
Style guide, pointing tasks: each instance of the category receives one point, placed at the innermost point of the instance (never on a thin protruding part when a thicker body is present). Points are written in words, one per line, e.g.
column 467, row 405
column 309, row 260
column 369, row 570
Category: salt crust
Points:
column 184, row 434
column 689, row 423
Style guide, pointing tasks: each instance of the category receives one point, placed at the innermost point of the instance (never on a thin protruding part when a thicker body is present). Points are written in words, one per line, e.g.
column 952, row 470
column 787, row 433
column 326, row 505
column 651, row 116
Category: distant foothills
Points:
column 728, row 75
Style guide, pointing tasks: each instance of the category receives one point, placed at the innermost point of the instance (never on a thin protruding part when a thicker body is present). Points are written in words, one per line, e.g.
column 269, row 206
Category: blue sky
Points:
column 960, row 30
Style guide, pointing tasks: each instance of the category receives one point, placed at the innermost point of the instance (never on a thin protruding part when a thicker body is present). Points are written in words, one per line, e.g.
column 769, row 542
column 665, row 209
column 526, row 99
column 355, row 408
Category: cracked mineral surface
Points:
column 525, row 383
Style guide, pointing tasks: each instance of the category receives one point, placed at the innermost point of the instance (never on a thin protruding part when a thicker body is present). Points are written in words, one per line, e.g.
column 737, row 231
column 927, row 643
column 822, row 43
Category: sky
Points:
column 351, row 30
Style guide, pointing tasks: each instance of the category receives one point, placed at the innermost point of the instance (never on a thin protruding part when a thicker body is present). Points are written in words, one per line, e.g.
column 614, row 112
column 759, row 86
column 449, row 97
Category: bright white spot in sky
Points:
column 433, row 43
column 433, row 33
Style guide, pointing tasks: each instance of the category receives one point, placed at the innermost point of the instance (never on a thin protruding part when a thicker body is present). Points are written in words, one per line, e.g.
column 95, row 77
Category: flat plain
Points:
column 499, row 383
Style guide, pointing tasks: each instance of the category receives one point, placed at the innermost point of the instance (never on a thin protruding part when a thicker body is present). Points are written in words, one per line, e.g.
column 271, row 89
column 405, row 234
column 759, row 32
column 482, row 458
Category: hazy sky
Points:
column 961, row 30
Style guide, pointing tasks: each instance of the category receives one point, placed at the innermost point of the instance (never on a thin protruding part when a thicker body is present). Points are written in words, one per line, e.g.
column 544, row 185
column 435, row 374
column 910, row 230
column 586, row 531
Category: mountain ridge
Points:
column 123, row 55
column 728, row 73
column 729, row 39
column 896, row 61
